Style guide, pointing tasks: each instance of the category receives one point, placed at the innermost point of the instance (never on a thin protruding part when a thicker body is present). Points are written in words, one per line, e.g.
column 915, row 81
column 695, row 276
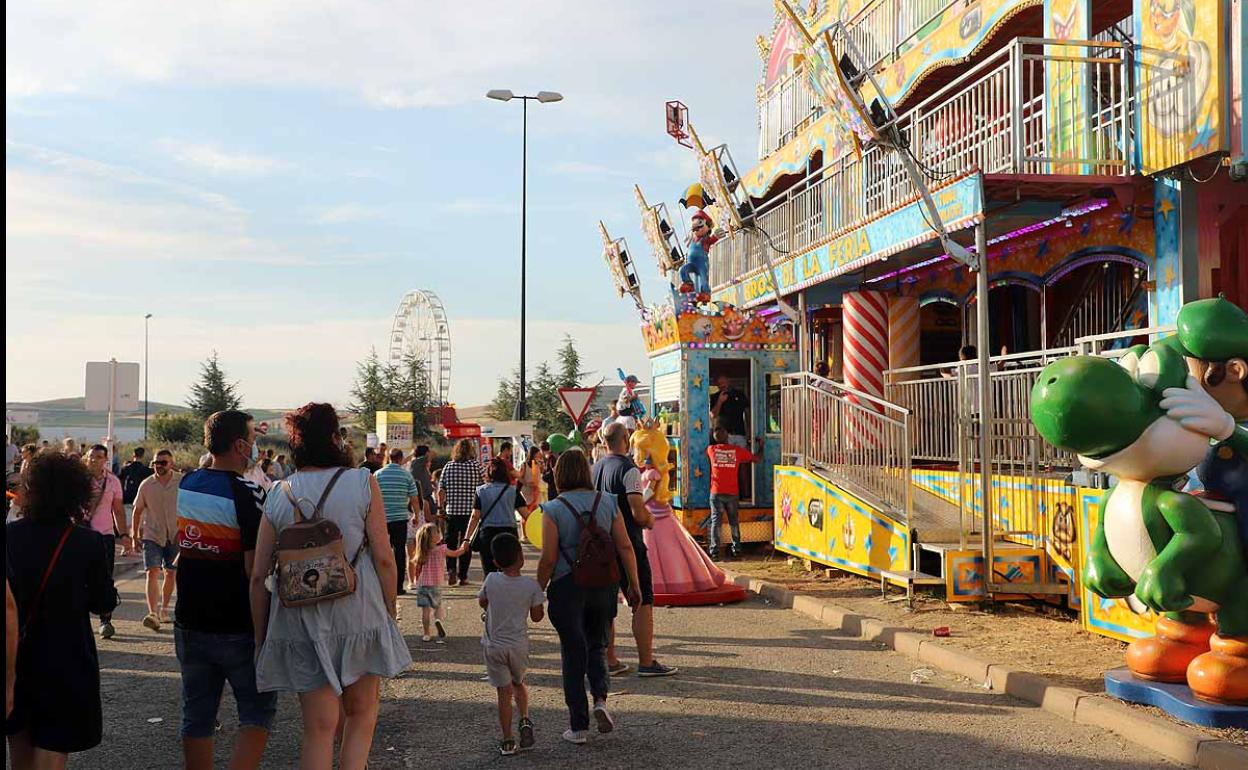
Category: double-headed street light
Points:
column 545, row 97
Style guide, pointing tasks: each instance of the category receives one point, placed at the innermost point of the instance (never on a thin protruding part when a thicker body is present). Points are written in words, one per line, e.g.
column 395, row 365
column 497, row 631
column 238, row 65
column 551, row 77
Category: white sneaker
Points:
column 605, row 723
column 579, row 737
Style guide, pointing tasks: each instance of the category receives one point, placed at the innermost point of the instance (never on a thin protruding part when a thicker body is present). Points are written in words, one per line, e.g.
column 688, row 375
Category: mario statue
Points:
column 628, row 405
column 694, row 273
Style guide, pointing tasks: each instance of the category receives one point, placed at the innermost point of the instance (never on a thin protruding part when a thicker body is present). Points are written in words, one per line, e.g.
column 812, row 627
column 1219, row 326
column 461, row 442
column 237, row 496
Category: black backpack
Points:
column 597, row 564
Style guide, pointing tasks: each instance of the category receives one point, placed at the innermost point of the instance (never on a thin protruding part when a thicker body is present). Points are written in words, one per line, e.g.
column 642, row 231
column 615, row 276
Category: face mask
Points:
column 255, row 453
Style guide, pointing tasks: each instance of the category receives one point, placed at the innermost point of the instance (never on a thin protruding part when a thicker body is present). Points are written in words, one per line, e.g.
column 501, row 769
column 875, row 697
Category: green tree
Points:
column 545, row 407
column 371, row 391
column 570, row 372
column 25, row 434
column 409, row 391
column 213, row 393
column 504, row 404
column 170, row 428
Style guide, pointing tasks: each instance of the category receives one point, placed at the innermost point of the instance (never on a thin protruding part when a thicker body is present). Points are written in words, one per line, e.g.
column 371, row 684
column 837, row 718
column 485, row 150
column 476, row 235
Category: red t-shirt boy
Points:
column 726, row 459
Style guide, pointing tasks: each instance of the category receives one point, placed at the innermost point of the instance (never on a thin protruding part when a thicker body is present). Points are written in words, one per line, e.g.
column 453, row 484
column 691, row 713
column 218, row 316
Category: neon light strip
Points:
column 1066, row 215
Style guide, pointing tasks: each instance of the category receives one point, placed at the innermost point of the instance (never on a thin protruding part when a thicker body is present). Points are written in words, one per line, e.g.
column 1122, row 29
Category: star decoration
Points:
column 1044, row 248
column 697, row 473
column 1128, row 221
column 781, row 363
column 697, row 424
column 1205, row 136
column 1165, row 207
column 697, row 381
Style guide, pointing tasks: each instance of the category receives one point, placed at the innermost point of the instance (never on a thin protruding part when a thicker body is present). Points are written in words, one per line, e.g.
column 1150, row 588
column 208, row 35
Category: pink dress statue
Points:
column 682, row 572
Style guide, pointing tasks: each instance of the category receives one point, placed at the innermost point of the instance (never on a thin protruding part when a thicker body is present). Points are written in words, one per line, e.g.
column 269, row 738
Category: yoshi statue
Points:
column 1146, row 420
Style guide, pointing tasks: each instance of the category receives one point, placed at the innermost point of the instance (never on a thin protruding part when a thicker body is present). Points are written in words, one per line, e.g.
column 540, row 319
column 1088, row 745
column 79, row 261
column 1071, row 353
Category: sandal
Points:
column 507, row 747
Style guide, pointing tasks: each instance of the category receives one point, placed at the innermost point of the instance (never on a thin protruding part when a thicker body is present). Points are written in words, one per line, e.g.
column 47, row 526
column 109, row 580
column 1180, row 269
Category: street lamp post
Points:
column 146, row 318
column 545, row 97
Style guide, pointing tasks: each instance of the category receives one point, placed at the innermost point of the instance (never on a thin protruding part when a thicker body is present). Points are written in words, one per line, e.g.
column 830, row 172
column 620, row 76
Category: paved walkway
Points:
column 759, row 686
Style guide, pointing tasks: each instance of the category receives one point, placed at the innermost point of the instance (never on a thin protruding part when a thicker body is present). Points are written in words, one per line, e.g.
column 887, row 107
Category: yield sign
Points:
column 576, row 401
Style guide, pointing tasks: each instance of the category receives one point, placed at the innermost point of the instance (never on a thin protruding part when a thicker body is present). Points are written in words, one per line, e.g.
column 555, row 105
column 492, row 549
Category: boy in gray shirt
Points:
column 510, row 600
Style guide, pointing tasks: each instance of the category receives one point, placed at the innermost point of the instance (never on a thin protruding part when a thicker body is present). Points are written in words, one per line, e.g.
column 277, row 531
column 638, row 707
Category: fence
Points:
column 862, row 441
column 992, row 118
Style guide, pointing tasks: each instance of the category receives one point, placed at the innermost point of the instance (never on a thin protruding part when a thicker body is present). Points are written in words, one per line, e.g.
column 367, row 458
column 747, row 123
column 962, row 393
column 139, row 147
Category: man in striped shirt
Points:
column 401, row 496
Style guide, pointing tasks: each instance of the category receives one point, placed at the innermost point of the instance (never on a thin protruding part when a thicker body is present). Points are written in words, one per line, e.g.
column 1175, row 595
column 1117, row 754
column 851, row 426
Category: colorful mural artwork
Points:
column 1164, row 304
column 1181, row 70
column 715, row 325
column 964, row 572
column 1067, row 105
column 1041, row 256
column 820, row 521
column 960, row 204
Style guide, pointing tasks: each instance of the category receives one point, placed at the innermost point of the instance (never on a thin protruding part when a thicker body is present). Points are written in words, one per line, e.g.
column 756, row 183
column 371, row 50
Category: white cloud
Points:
column 206, row 157
column 349, row 213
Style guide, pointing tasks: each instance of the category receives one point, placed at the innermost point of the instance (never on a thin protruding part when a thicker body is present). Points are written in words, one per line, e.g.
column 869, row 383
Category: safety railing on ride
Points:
column 784, row 111
column 992, row 118
column 861, row 441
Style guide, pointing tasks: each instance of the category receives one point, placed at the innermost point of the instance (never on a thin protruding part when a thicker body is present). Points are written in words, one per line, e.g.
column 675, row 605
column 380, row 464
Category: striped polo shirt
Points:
column 397, row 489
column 218, row 519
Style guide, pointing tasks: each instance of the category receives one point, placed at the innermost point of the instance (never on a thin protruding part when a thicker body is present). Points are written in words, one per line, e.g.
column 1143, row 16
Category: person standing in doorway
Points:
column 728, row 408
column 155, row 525
column 617, row 475
column 401, row 496
column 457, row 493
column 219, row 516
column 726, row 460
column 106, row 515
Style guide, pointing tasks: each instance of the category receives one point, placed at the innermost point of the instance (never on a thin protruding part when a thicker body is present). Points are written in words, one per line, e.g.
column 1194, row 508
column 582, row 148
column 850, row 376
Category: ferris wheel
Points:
column 420, row 329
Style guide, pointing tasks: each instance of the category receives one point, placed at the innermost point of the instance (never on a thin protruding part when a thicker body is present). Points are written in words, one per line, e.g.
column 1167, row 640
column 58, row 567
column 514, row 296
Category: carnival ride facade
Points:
column 1080, row 174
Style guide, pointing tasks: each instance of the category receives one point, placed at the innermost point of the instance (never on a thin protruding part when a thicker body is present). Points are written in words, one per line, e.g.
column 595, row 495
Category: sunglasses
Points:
column 160, row 462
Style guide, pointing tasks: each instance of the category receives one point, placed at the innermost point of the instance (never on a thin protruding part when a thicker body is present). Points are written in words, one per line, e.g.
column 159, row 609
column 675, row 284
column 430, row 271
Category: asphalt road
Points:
column 759, row 686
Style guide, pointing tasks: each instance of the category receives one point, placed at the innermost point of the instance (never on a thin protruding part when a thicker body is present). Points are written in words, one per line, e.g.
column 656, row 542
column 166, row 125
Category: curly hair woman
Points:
column 59, row 577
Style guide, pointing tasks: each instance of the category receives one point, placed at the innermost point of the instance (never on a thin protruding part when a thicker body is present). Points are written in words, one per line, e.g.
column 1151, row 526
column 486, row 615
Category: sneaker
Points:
column 426, row 638
column 441, row 628
column 152, row 621
column 507, row 747
column 465, row 582
column 619, row 669
column 605, row 723
column 107, row 630
column 734, row 552
column 656, row 669
column 526, row 734
column 450, row 581
column 713, row 555
column 579, row 737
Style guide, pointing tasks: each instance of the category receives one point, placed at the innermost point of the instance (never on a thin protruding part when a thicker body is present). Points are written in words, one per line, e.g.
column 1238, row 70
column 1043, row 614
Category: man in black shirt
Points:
column 371, row 461
column 729, row 406
column 131, row 476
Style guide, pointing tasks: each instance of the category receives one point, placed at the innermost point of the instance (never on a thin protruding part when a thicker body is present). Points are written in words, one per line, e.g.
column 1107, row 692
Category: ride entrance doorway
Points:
column 732, row 400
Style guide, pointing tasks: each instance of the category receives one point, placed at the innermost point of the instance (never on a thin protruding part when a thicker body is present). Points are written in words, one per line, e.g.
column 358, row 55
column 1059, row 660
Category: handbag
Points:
column 312, row 563
column 476, row 536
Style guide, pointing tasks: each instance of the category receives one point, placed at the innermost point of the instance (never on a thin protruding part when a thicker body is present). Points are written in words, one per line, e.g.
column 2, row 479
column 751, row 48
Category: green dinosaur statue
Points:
column 1158, row 548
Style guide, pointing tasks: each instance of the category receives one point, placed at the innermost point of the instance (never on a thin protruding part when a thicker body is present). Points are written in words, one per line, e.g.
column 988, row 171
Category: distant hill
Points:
column 60, row 412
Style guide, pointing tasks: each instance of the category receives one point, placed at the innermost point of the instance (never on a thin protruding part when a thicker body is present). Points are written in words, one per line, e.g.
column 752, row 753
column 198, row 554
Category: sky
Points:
column 269, row 178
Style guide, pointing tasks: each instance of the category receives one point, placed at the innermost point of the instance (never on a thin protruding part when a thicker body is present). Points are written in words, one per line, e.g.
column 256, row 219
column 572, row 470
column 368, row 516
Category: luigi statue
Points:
column 1147, row 419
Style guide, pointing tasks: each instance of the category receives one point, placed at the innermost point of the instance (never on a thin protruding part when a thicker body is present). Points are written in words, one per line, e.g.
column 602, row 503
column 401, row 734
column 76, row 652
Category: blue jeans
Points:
column 694, row 271
column 208, row 661
column 724, row 504
column 582, row 616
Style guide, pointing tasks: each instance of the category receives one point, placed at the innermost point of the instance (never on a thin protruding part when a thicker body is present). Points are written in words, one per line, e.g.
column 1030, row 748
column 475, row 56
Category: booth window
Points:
column 773, row 401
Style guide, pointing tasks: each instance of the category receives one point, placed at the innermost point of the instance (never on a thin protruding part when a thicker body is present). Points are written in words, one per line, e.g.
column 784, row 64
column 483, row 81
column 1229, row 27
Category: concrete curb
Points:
column 1173, row 741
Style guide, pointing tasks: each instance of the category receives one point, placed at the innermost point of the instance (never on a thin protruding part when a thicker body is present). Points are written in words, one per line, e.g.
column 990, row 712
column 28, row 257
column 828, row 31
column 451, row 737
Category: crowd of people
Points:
column 221, row 540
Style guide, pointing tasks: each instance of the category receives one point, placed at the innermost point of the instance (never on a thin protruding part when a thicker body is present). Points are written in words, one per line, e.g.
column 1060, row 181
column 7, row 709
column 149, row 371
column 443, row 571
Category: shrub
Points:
column 175, row 428
column 25, row 434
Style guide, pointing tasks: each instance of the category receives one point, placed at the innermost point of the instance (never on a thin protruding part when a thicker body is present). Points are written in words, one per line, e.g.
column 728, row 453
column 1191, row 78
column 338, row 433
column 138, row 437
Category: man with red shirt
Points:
column 726, row 459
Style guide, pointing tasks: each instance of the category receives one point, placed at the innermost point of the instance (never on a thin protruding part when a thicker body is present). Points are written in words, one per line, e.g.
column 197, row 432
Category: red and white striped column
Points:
column 865, row 325
column 903, row 333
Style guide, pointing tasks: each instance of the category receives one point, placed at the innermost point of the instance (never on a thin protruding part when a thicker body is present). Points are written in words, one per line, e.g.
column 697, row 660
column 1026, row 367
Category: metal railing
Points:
column 992, row 119
column 1102, row 305
column 785, row 110
column 860, row 440
column 885, row 29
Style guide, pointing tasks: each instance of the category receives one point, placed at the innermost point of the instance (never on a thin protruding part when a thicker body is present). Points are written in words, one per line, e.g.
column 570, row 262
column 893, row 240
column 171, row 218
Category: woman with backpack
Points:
column 584, row 543
column 328, row 632
column 494, row 511
column 59, row 577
